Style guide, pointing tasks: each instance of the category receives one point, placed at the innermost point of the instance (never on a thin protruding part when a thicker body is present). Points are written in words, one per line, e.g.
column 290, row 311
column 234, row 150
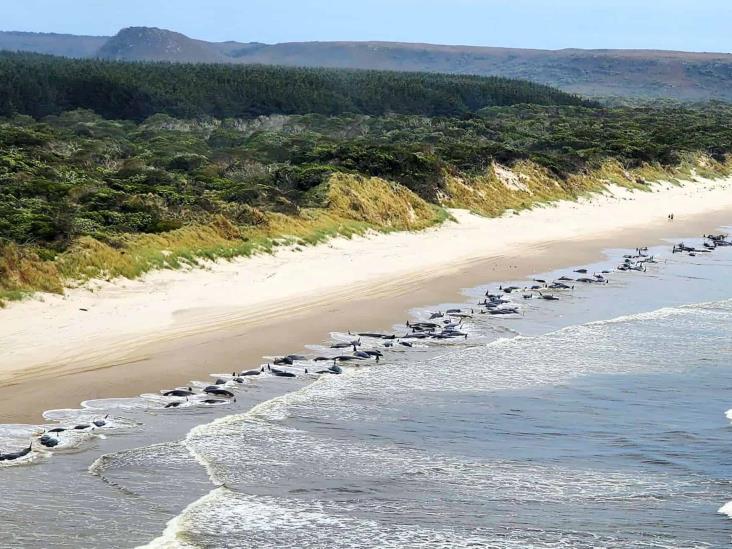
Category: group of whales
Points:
column 50, row 438
column 440, row 325
column 711, row 243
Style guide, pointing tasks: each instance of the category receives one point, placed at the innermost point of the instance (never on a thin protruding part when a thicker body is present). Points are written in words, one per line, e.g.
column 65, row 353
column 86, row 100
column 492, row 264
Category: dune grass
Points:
column 349, row 205
column 353, row 205
column 526, row 184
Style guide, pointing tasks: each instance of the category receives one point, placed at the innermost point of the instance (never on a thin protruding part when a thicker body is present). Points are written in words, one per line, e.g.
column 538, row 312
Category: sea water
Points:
column 598, row 420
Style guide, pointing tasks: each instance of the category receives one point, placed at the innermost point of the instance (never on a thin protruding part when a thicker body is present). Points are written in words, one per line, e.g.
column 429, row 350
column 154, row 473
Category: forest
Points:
column 106, row 192
column 78, row 173
column 41, row 85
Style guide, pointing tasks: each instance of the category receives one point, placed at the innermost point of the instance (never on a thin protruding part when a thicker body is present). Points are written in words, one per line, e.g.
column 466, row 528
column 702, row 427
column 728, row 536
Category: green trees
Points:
column 79, row 174
column 40, row 85
column 178, row 144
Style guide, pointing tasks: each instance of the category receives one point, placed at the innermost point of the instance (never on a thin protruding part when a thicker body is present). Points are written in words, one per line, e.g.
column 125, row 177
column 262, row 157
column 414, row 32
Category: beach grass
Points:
column 353, row 206
column 345, row 205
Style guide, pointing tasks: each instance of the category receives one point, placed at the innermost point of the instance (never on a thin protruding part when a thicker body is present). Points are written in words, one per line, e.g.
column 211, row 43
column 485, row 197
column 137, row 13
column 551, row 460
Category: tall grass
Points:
column 23, row 271
column 351, row 205
column 527, row 184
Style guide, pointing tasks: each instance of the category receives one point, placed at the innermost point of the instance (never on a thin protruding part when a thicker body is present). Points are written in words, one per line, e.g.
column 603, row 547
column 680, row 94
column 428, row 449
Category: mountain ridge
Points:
column 636, row 73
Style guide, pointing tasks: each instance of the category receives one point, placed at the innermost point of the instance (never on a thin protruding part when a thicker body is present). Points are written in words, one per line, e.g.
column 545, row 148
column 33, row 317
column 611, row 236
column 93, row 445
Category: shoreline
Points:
column 172, row 326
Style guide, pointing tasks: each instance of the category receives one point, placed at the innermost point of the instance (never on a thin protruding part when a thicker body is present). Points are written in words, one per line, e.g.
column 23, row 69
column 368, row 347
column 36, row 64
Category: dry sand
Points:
column 172, row 326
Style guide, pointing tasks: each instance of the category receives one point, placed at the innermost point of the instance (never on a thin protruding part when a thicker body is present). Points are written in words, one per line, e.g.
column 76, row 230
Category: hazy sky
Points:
column 698, row 25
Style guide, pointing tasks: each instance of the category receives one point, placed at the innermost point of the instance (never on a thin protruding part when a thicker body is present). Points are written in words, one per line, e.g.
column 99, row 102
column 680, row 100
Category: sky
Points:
column 691, row 25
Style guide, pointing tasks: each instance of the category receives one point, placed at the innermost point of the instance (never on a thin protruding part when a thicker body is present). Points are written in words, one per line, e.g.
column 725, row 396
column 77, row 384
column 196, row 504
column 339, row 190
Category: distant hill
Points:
column 151, row 44
column 600, row 73
column 68, row 45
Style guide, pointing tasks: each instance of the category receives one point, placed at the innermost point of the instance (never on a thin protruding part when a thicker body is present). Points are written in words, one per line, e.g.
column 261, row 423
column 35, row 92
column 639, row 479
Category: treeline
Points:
column 41, row 85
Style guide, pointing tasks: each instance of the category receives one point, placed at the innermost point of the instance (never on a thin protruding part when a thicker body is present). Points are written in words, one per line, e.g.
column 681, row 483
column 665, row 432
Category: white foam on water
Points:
column 166, row 453
column 228, row 446
column 691, row 311
column 226, row 519
column 103, row 404
column 171, row 536
column 202, row 432
column 726, row 509
column 258, row 448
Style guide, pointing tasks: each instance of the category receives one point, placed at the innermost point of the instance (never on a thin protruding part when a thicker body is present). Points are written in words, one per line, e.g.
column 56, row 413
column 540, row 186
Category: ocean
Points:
column 596, row 420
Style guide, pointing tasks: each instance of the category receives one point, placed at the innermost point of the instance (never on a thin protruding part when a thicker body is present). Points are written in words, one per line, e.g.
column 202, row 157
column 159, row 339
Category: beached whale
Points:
column 509, row 289
column 281, row 373
column 178, row 393
column 345, row 345
column 451, row 333
column 374, row 353
column 11, row 456
column 335, row 369
column 505, row 311
column 422, row 325
column 218, row 391
column 289, row 359
column 48, row 441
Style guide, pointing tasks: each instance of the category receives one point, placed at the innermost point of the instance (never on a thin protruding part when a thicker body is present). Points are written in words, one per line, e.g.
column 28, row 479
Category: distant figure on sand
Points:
column 670, row 217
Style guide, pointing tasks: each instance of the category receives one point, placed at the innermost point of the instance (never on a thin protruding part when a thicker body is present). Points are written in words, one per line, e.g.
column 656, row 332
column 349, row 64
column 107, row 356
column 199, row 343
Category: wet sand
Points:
column 225, row 339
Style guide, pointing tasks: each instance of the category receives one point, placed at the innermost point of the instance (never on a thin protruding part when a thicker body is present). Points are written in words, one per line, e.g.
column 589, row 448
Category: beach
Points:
column 122, row 338
column 598, row 419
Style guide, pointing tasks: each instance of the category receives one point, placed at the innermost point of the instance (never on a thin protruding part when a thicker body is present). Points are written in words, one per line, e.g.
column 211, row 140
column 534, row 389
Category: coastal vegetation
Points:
column 84, row 195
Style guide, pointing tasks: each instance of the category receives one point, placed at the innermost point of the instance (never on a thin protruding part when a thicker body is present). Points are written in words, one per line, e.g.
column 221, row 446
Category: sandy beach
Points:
column 125, row 337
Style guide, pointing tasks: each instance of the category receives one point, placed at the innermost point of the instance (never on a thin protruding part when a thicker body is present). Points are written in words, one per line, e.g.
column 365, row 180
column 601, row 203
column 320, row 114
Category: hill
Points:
column 67, row 45
column 151, row 44
column 647, row 74
column 40, row 85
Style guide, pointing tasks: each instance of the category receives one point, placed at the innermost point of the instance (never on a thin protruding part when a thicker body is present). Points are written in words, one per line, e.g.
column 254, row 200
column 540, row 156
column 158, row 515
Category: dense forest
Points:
column 83, row 194
column 40, row 85
column 78, row 173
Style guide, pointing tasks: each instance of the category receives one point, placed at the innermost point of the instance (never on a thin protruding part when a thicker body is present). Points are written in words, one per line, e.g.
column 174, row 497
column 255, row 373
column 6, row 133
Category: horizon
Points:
column 458, row 45
column 672, row 25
